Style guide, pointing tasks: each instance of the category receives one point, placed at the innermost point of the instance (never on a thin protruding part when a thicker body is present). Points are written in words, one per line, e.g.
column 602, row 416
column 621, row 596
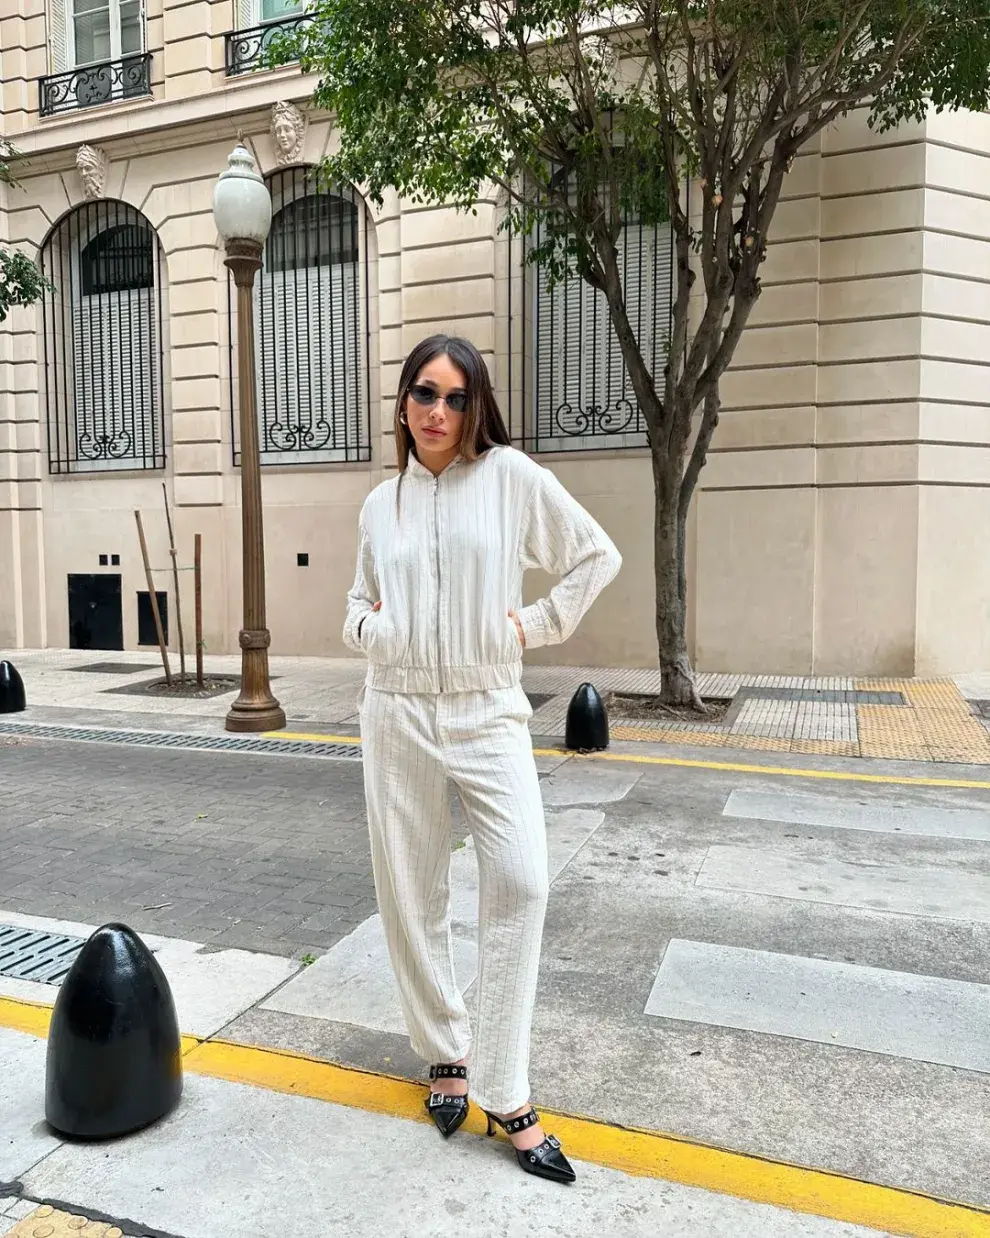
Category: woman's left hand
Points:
column 519, row 628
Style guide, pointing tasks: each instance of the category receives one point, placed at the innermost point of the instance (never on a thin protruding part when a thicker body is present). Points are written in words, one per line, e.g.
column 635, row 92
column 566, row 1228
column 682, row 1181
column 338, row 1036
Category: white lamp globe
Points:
column 242, row 205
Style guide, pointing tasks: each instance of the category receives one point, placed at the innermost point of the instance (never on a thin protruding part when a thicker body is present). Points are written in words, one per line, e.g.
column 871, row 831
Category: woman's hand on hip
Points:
column 519, row 628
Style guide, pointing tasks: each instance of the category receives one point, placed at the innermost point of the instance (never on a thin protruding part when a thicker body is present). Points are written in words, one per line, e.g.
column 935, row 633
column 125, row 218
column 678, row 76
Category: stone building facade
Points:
column 839, row 525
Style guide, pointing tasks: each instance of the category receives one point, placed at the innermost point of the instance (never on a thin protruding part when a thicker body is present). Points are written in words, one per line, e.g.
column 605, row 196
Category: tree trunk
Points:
column 677, row 678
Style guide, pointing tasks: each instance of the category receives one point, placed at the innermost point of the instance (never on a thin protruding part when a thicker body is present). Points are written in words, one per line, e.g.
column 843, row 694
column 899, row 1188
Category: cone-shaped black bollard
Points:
column 114, row 1058
column 587, row 721
column 12, row 698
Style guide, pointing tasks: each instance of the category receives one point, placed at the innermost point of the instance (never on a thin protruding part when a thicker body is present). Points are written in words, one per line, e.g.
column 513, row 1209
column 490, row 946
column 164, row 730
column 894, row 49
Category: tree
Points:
column 584, row 111
column 21, row 283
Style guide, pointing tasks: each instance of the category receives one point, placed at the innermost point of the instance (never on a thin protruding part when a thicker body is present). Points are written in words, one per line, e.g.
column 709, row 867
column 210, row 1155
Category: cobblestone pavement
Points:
column 943, row 720
column 267, row 855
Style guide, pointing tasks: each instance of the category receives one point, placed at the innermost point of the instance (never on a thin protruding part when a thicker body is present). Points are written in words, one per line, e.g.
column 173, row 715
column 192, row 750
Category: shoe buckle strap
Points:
column 437, row 1100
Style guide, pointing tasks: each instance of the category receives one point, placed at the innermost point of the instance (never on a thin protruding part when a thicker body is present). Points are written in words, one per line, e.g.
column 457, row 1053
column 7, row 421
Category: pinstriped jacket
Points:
column 445, row 556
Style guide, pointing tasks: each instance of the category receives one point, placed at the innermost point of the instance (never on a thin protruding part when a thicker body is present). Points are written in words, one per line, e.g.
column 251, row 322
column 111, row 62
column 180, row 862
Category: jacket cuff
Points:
column 534, row 626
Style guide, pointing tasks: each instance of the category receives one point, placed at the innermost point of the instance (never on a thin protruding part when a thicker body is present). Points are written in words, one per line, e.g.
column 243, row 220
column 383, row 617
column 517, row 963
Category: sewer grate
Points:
column 30, row 954
column 201, row 743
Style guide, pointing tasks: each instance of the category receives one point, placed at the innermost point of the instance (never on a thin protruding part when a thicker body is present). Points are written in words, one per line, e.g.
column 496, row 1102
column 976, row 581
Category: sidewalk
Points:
column 237, row 1161
column 266, row 1142
column 945, row 720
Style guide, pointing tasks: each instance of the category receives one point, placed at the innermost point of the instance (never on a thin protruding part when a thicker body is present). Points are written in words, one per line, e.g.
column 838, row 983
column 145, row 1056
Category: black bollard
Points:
column 587, row 721
column 114, row 1056
column 12, row 698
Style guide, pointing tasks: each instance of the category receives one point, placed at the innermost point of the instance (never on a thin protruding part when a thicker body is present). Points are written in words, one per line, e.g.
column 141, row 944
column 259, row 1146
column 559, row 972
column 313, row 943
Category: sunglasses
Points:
column 426, row 397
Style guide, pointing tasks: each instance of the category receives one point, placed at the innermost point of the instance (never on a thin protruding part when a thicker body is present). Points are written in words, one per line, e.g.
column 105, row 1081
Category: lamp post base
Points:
column 246, row 716
column 255, row 708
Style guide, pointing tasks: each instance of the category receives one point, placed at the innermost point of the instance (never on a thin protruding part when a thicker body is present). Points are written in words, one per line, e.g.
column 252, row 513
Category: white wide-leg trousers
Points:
column 414, row 746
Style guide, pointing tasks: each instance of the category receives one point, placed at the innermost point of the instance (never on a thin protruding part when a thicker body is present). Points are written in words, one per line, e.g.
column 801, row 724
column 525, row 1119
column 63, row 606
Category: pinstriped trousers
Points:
column 414, row 747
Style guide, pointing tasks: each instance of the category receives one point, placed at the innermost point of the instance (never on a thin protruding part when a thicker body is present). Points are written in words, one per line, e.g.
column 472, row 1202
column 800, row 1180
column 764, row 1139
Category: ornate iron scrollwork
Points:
column 92, row 85
column 246, row 49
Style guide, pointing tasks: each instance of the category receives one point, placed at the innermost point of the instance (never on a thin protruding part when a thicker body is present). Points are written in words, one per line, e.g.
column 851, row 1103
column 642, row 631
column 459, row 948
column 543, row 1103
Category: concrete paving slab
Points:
column 920, row 1017
column 24, row 1137
column 583, row 782
column 239, row 1160
column 211, row 987
column 906, row 889
column 886, row 816
column 352, row 983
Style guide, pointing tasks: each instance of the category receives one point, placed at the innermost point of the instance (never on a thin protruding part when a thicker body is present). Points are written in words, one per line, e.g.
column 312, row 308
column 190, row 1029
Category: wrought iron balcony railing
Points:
column 246, row 49
column 109, row 82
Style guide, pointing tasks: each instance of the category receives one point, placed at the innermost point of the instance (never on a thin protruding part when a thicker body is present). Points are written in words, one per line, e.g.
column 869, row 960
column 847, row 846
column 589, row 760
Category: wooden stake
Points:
column 198, row 577
column 175, row 578
column 154, row 600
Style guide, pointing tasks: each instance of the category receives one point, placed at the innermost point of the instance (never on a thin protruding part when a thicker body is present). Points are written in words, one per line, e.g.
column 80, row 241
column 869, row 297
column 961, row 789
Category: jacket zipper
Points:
column 436, row 543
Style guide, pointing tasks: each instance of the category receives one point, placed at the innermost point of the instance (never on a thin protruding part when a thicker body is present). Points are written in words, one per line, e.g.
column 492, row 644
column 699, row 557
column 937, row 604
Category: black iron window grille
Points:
column 311, row 327
column 102, row 324
column 575, row 390
column 95, row 84
column 246, row 50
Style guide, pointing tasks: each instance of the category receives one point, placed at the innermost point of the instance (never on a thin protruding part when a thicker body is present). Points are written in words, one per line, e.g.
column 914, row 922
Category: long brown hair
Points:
column 483, row 424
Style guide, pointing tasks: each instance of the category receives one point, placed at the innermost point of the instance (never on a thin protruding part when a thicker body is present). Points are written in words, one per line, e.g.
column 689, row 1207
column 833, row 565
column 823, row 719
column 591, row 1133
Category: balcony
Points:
column 95, row 84
column 246, row 49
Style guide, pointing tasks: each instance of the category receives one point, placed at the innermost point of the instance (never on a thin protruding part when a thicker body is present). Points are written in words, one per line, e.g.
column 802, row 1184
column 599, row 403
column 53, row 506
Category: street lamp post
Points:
column 242, row 209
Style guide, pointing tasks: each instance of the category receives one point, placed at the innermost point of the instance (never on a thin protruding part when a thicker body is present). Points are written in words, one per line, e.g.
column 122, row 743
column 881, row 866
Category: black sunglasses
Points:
column 457, row 401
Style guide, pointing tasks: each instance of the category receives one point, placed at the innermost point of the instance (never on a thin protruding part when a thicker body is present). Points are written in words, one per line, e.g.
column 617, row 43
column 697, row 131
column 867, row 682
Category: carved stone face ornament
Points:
column 288, row 133
column 93, row 165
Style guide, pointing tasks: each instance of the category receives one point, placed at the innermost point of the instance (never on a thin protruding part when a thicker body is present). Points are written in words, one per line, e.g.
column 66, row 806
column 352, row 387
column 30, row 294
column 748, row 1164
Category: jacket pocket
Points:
column 370, row 632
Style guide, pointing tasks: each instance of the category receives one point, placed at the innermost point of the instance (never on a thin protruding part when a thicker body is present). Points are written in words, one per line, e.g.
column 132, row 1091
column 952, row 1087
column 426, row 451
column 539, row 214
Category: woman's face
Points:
column 437, row 424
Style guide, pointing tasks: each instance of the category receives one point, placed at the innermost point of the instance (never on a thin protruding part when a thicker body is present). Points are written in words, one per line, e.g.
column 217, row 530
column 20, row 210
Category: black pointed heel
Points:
column 447, row 1112
column 546, row 1160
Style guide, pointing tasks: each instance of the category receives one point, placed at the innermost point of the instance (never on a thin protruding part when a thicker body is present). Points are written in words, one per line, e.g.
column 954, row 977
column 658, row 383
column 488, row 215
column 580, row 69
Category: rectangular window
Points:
column 272, row 10
column 102, row 30
column 582, row 396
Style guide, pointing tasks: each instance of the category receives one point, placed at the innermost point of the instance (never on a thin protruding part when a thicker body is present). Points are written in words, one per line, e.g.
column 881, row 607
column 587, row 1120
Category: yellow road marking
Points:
column 733, row 767
column 313, row 739
column 35, row 1018
column 737, row 767
column 645, row 1153
column 27, row 1017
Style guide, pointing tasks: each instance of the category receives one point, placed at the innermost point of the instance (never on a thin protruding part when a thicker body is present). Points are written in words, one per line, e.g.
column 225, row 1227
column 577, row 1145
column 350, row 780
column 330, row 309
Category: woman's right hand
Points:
column 377, row 606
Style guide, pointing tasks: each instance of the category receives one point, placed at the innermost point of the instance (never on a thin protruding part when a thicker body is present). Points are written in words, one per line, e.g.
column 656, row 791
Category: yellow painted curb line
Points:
column 27, row 1017
column 645, row 1153
column 35, row 1018
column 312, row 739
column 734, row 767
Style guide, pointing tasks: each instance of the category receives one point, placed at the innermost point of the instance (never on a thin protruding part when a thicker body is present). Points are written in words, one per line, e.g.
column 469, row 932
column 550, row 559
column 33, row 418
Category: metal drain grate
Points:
column 201, row 743
column 32, row 955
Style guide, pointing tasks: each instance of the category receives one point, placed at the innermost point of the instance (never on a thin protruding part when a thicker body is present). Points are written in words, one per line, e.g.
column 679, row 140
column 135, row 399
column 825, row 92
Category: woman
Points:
column 435, row 609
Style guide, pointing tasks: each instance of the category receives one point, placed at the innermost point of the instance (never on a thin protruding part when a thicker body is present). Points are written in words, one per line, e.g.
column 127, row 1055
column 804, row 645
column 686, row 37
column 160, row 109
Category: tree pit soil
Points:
column 186, row 688
column 645, row 707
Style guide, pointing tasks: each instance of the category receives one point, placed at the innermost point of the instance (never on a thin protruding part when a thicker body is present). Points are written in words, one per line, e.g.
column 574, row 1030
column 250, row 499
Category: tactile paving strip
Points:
column 47, row 1222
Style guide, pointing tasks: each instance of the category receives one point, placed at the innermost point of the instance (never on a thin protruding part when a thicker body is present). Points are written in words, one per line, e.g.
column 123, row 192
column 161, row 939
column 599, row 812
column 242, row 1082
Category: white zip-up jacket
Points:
column 445, row 556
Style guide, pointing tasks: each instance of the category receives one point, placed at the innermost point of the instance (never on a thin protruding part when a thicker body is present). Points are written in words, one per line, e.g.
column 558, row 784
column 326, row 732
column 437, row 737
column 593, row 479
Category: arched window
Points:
column 103, row 341
column 580, row 394
column 311, row 312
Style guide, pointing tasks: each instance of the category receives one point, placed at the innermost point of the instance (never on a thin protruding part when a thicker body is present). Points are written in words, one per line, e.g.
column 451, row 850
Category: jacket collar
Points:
column 415, row 469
